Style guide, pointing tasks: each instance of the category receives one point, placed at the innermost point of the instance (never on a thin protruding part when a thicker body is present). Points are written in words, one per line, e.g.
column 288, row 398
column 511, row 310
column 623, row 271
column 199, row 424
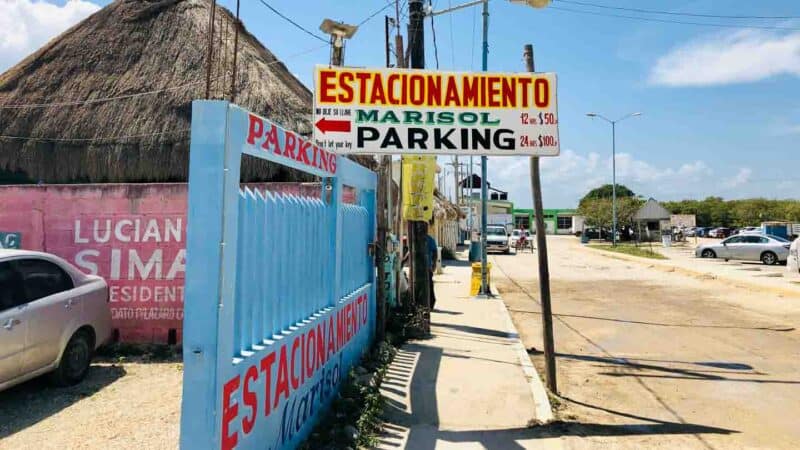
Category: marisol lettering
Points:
column 285, row 371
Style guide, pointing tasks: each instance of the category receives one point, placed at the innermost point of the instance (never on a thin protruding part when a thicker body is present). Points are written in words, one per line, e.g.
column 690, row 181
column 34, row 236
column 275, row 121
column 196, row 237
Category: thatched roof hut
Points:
column 127, row 48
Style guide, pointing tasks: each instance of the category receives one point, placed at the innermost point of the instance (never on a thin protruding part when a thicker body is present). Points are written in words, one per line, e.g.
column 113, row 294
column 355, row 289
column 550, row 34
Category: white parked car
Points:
column 793, row 263
column 766, row 248
column 53, row 318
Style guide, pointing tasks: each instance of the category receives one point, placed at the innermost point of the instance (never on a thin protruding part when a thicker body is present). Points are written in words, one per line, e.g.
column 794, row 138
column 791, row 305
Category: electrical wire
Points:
column 452, row 44
column 110, row 138
column 472, row 51
column 138, row 94
column 435, row 46
column 284, row 17
column 391, row 3
column 652, row 19
column 671, row 13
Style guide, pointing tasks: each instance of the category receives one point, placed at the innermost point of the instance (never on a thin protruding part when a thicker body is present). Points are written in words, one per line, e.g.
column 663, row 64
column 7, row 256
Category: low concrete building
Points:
column 556, row 221
column 651, row 219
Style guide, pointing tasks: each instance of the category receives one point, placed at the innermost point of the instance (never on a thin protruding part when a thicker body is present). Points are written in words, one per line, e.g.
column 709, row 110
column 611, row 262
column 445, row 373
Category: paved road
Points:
column 649, row 358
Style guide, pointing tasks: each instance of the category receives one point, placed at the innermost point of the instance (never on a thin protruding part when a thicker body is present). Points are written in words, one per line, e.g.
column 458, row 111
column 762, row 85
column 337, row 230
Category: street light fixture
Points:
column 339, row 31
column 484, row 291
column 614, row 167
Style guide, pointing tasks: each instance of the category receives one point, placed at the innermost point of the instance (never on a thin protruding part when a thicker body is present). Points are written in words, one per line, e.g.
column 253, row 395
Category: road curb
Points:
column 658, row 264
column 544, row 411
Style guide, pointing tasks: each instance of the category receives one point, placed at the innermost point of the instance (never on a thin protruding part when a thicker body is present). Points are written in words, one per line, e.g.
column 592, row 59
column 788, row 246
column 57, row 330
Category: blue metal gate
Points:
column 280, row 299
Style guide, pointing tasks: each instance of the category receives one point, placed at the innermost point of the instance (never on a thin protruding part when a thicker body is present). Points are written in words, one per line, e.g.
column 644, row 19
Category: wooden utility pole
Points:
column 418, row 230
column 210, row 53
column 382, row 210
column 544, row 270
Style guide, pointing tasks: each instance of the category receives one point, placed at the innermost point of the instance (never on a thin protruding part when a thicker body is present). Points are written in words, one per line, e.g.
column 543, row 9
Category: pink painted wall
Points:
column 133, row 235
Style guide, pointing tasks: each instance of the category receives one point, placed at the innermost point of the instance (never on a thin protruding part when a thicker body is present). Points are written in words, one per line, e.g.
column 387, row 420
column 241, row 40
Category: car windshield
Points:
column 777, row 238
column 496, row 232
column 515, row 232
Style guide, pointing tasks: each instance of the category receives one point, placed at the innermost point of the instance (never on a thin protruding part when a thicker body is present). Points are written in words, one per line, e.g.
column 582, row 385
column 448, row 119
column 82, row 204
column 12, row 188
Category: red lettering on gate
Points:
column 256, row 129
column 282, row 383
column 289, row 144
column 250, row 399
column 295, row 379
column 266, row 368
column 229, row 412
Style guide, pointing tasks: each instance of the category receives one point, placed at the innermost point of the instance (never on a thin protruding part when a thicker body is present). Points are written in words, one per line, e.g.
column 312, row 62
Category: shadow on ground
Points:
column 26, row 404
column 415, row 370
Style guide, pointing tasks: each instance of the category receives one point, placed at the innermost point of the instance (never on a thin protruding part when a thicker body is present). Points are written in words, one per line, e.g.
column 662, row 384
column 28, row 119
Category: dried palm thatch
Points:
column 129, row 47
column 444, row 209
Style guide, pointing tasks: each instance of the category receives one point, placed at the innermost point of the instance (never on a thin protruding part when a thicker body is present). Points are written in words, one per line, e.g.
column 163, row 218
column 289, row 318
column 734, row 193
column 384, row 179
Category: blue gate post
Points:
column 210, row 269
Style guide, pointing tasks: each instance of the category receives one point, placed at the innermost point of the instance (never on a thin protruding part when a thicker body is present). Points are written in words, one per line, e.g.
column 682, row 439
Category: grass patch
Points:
column 643, row 252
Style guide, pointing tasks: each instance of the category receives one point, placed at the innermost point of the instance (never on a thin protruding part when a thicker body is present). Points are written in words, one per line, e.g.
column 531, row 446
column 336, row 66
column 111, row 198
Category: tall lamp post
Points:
column 484, row 67
column 614, row 167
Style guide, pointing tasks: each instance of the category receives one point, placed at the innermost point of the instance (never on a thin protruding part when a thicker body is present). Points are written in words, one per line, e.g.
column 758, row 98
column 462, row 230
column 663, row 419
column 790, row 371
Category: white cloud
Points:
column 567, row 178
column 731, row 57
column 741, row 177
column 27, row 25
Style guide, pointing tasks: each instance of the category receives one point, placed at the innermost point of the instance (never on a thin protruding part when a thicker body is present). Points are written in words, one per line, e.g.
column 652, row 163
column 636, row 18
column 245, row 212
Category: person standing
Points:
column 432, row 257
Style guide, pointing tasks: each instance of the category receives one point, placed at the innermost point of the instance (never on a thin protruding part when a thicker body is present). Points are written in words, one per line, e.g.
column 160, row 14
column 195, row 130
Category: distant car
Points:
column 702, row 231
column 748, row 247
column 515, row 235
column 691, row 232
column 53, row 316
column 596, row 233
column 719, row 233
column 793, row 263
column 748, row 230
column 497, row 239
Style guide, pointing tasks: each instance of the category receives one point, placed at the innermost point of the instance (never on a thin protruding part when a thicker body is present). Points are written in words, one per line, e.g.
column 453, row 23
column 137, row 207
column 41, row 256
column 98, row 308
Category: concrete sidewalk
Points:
column 471, row 385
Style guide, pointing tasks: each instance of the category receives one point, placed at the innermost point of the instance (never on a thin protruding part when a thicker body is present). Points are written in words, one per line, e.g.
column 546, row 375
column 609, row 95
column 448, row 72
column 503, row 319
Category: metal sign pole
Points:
column 484, row 160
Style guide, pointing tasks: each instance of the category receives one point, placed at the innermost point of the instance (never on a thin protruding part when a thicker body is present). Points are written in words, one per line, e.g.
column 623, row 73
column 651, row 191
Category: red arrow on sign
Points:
column 326, row 125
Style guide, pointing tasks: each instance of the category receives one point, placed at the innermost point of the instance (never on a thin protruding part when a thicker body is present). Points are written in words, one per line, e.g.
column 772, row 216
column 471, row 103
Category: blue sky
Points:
column 721, row 106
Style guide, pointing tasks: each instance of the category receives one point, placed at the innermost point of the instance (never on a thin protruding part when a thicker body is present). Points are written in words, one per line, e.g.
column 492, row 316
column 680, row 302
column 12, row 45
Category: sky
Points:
column 720, row 105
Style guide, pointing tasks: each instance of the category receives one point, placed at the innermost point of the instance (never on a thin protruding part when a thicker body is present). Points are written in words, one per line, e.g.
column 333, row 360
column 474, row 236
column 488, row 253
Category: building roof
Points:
column 652, row 210
column 131, row 47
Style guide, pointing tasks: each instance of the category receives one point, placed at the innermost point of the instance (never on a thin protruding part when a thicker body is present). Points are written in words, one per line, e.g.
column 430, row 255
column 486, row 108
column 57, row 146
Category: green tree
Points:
column 598, row 212
column 606, row 191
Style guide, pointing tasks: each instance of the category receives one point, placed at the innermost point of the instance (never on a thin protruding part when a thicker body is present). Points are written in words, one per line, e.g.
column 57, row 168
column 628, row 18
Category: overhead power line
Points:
column 137, row 94
column 109, row 138
column 653, row 19
column 672, row 13
column 383, row 8
column 284, row 17
column 435, row 45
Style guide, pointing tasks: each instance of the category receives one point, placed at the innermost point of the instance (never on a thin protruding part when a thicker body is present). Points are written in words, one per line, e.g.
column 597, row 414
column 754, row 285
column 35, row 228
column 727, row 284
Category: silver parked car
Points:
column 52, row 315
column 766, row 248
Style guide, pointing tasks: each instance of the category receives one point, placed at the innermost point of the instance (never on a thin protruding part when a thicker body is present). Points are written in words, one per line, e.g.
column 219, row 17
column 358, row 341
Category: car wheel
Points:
column 708, row 253
column 769, row 258
column 75, row 360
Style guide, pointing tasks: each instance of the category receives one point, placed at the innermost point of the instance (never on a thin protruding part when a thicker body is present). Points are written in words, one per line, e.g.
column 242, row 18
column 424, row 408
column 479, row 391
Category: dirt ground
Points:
column 121, row 405
column 653, row 359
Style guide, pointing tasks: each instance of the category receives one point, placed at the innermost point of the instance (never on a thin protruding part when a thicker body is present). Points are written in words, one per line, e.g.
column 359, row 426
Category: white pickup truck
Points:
column 497, row 239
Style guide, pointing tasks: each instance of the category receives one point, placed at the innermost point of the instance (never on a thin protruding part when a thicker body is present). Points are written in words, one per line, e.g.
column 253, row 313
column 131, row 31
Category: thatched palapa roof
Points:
column 131, row 47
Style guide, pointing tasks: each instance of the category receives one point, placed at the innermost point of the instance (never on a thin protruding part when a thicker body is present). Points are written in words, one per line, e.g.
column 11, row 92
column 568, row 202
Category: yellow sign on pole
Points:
column 418, row 185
